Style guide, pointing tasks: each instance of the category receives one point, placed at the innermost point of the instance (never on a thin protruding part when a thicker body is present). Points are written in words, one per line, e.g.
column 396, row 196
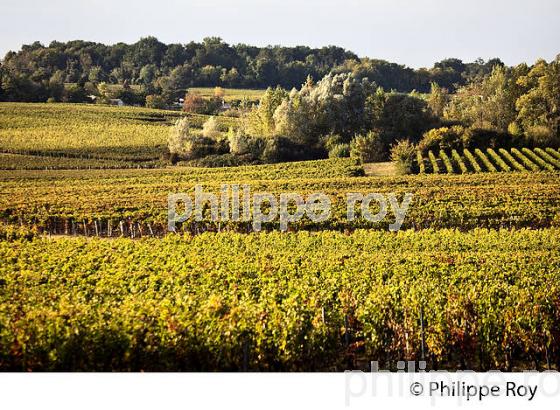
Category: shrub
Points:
column 442, row 138
column 194, row 103
column 239, row 143
column 272, row 151
column 340, row 151
column 219, row 92
column 368, row 148
column 331, row 140
column 130, row 97
column 281, row 149
column 232, row 113
column 184, row 144
column 404, row 154
column 219, row 161
column 515, row 130
column 155, row 101
column 178, row 134
column 485, row 138
column 210, row 129
column 541, row 136
column 242, row 144
column 74, row 94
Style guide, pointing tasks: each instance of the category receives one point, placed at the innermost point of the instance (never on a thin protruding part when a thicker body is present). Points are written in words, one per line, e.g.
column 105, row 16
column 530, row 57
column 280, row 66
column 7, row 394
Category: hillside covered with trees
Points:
column 69, row 71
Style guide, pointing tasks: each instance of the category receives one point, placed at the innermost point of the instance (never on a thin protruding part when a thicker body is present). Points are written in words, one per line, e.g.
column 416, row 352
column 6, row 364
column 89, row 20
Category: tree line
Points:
column 69, row 71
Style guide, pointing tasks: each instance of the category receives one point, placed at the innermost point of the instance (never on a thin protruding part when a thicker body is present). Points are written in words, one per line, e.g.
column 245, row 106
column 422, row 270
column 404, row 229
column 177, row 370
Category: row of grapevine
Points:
column 546, row 156
column 553, row 152
column 527, row 163
column 511, row 160
column 44, row 162
column 489, row 166
column 446, row 162
column 500, row 163
column 542, row 164
column 459, row 161
column 433, row 162
column 493, row 160
column 421, row 163
column 472, row 160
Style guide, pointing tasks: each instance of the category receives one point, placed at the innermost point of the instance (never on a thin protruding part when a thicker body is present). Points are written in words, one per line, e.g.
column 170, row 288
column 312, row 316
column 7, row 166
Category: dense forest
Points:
column 69, row 71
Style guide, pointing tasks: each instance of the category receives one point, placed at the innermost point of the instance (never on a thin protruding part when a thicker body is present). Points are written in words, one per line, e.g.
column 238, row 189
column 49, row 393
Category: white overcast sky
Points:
column 412, row 32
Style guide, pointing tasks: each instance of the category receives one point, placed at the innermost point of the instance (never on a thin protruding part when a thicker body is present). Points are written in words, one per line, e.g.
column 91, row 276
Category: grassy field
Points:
column 229, row 93
column 380, row 169
column 90, row 279
column 207, row 92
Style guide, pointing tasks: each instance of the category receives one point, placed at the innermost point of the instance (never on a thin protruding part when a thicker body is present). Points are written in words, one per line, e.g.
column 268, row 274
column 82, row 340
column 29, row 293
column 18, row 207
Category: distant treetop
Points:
column 36, row 72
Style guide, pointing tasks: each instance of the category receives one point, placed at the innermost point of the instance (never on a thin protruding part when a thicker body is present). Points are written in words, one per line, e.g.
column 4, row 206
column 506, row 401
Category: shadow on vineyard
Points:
column 132, row 153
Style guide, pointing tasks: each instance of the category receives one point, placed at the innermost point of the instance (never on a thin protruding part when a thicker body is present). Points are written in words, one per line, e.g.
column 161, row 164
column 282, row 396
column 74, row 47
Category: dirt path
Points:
column 380, row 169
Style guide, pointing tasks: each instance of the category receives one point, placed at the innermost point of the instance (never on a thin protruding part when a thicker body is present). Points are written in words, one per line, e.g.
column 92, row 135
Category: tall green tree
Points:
column 438, row 99
column 489, row 103
column 539, row 108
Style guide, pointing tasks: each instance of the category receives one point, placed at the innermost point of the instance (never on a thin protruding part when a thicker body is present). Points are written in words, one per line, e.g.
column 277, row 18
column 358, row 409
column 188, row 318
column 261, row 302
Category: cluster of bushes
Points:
column 340, row 116
column 519, row 103
column 460, row 138
column 196, row 104
column 212, row 148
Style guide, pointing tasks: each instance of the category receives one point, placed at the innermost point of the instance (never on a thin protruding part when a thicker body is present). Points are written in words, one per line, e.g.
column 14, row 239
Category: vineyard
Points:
column 90, row 278
column 134, row 202
column 272, row 301
column 40, row 136
column 499, row 160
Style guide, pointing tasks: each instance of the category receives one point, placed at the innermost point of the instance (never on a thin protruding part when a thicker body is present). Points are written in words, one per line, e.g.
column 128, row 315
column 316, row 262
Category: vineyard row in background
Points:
column 133, row 203
column 490, row 160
